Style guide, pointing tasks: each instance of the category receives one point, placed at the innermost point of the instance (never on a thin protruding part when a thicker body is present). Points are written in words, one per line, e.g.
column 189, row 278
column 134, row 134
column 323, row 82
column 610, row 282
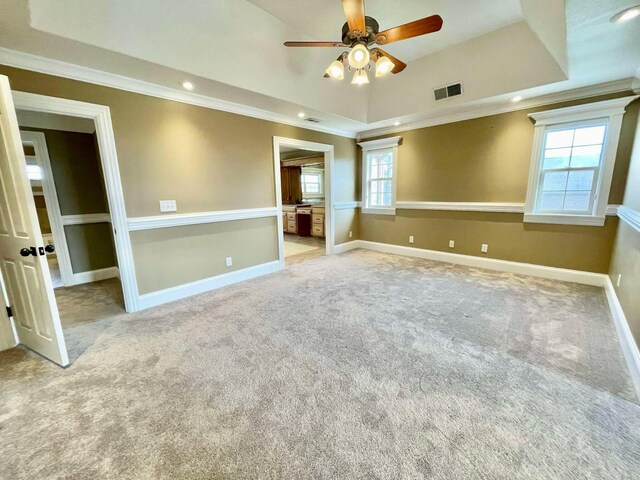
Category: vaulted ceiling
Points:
column 232, row 50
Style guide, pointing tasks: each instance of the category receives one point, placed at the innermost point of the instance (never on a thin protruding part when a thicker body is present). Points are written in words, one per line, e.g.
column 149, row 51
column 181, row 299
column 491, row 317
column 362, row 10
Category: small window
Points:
column 379, row 175
column 311, row 183
column 572, row 163
column 572, row 158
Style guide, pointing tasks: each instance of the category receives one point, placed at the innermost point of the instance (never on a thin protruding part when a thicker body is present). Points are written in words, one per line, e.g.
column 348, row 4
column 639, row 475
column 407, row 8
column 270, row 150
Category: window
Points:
column 572, row 163
column 379, row 175
column 311, row 182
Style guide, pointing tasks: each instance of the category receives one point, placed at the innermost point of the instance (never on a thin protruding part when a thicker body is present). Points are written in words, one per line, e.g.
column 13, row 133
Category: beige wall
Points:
column 626, row 251
column 77, row 174
column 204, row 159
column 487, row 160
column 172, row 256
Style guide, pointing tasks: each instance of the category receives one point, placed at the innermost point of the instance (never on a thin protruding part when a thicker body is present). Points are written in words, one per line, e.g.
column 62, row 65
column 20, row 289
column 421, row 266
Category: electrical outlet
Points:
column 452, row 243
column 229, row 261
column 410, row 238
column 168, row 206
column 618, row 281
column 484, row 248
column 350, row 234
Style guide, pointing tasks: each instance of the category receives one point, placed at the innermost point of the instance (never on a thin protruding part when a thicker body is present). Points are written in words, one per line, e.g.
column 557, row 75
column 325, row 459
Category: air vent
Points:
column 312, row 120
column 449, row 91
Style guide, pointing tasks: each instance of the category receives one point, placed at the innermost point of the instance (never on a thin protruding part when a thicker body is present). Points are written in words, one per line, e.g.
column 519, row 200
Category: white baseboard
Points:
column 95, row 275
column 345, row 247
column 564, row 274
column 627, row 342
column 171, row 294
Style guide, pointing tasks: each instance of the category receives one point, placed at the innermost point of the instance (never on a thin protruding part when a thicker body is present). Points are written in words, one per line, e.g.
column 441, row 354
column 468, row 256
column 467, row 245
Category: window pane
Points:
column 34, row 172
column 556, row 158
column 586, row 156
column 589, row 136
column 562, row 138
column 555, row 181
column 551, row 201
column 577, row 201
column 580, row 180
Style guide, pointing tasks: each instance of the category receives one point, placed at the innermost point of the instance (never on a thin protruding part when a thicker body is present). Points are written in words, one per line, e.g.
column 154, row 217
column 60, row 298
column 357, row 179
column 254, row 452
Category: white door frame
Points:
column 101, row 116
column 39, row 143
column 328, row 151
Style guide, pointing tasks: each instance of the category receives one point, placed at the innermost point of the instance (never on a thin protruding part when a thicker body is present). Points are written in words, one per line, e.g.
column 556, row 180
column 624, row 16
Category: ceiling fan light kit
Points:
column 360, row 33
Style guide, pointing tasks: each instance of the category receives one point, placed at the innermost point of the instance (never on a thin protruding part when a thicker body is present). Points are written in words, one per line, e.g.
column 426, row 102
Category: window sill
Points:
column 559, row 219
column 379, row 210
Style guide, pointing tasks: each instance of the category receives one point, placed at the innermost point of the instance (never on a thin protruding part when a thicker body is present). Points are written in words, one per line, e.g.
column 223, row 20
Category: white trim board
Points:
column 349, row 205
column 630, row 216
column 183, row 219
column 554, row 273
column 345, row 247
column 171, row 294
column 95, row 275
column 58, row 68
column 85, row 218
column 627, row 342
column 497, row 207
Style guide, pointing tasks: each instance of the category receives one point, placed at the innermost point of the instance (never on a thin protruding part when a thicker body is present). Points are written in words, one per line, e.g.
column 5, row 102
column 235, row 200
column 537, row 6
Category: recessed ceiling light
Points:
column 301, row 115
column 516, row 99
column 626, row 14
column 187, row 85
column 396, row 123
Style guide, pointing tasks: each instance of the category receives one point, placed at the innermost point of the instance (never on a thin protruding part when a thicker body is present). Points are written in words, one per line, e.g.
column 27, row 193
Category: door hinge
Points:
column 9, row 312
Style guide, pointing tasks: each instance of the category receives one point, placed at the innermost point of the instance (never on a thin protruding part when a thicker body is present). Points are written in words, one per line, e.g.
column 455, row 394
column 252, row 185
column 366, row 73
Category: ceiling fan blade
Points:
column 354, row 11
column 314, row 44
column 399, row 65
column 412, row 29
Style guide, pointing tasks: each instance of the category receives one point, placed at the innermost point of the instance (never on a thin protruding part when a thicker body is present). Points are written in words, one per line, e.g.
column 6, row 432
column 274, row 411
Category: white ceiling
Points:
column 232, row 50
column 322, row 20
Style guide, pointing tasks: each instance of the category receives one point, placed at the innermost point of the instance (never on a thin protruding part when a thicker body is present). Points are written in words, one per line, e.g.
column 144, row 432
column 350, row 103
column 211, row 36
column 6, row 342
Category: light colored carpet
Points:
column 361, row 365
column 291, row 248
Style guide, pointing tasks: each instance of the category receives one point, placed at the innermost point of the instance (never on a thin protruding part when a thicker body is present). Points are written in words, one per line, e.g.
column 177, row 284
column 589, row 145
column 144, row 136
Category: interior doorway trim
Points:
column 101, row 116
column 328, row 151
column 38, row 142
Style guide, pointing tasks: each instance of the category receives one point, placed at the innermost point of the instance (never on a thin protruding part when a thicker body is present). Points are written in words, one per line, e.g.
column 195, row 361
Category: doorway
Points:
column 64, row 169
column 27, row 286
column 303, row 194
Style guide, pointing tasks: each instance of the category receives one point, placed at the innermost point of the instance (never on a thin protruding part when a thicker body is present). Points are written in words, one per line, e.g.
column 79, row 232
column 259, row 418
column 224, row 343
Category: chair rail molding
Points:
column 630, row 216
column 86, row 218
column 347, row 205
column 183, row 219
column 497, row 207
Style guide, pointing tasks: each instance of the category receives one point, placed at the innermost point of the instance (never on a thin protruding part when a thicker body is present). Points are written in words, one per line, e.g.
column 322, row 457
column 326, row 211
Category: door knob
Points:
column 49, row 248
column 25, row 252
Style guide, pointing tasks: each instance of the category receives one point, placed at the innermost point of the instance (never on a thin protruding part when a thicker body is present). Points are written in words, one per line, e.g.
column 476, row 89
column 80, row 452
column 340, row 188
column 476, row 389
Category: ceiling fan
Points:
column 361, row 33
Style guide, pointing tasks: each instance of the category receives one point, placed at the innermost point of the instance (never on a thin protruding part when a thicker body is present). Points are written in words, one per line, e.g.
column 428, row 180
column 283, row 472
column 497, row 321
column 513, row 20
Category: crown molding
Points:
column 624, row 85
column 27, row 61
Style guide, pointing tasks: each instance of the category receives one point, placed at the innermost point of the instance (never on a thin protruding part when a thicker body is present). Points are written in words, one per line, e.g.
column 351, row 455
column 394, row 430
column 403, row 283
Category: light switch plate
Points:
column 229, row 261
column 168, row 206
column 410, row 238
column 485, row 248
column 452, row 243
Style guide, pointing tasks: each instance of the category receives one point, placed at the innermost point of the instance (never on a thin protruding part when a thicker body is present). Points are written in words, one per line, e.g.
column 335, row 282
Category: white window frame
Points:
column 371, row 146
column 609, row 112
column 320, row 174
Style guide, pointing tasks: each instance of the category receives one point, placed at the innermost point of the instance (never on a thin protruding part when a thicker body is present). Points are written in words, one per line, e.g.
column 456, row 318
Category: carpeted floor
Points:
column 362, row 365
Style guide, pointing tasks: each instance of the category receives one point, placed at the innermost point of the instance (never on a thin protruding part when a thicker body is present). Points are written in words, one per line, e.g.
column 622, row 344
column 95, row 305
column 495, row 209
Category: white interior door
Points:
column 23, row 263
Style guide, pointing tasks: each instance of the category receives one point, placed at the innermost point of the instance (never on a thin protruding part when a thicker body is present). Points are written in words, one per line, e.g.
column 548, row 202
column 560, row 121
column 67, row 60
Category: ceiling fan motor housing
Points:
column 368, row 37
